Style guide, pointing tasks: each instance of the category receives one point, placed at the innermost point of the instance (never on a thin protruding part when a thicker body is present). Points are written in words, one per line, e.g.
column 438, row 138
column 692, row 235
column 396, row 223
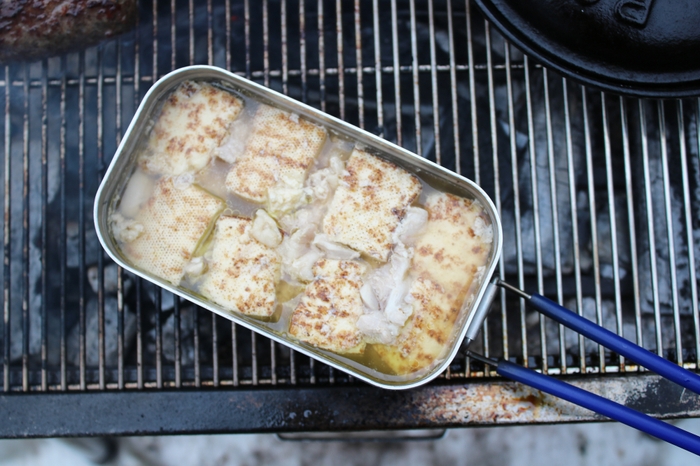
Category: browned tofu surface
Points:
column 369, row 204
column 328, row 311
column 422, row 340
column 242, row 271
column 278, row 154
column 193, row 122
column 453, row 244
column 173, row 221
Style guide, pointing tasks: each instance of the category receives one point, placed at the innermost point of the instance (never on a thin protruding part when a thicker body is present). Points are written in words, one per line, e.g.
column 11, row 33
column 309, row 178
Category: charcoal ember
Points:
column 31, row 30
column 662, row 242
column 186, row 336
column 109, row 279
column 167, row 299
column 92, row 245
column 111, row 333
column 605, row 244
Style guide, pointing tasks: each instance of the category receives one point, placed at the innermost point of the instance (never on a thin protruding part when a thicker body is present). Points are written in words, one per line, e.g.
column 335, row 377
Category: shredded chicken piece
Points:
column 265, row 230
column 387, row 277
column 483, row 230
column 137, row 192
column 235, row 144
column 411, row 225
column 398, row 306
column 285, row 196
column 302, row 218
column 298, row 254
column 125, row 230
column 368, row 297
column 322, row 183
column 334, row 250
column 376, row 328
column 183, row 181
column 196, row 267
column 385, row 293
column 302, row 268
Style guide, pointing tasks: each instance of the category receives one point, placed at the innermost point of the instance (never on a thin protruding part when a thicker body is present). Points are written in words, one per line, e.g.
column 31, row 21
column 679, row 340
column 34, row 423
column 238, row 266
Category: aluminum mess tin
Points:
column 125, row 161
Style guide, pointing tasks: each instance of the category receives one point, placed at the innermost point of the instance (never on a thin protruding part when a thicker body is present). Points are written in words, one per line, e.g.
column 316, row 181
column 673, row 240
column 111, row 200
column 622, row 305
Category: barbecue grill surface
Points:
column 585, row 183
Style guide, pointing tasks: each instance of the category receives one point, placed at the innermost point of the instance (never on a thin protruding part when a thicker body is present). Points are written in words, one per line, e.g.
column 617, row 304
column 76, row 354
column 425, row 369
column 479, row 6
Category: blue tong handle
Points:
column 613, row 341
column 598, row 404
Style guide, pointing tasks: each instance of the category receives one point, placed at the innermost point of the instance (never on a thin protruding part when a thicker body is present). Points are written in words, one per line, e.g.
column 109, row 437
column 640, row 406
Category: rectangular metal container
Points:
column 123, row 164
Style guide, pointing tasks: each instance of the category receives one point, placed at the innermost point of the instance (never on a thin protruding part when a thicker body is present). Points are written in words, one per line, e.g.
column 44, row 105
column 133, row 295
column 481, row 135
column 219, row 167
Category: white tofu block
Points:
column 422, row 340
column 452, row 247
column 242, row 271
column 173, row 222
column 369, row 203
column 192, row 123
column 454, row 243
column 327, row 313
column 278, row 154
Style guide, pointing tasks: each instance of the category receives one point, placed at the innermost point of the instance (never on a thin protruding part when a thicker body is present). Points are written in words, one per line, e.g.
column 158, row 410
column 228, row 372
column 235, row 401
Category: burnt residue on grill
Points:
column 30, row 30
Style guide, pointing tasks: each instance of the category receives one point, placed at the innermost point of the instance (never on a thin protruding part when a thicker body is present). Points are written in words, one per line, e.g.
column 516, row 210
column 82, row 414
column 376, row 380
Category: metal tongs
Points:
column 596, row 403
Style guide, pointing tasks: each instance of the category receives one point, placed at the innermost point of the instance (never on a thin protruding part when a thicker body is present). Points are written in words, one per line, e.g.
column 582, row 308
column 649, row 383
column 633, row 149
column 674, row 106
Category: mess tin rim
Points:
column 110, row 181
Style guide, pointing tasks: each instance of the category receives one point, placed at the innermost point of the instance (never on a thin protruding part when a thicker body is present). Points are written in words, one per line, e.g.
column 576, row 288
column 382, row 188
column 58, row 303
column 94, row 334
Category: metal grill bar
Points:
column 25, row 235
column 650, row 228
column 669, row 232
column 593, row 221
column 613, row 229
column 44, row 195
column 100, row 258
column 378, row 67
column 397, row 80
column 64, row 240
column 433, row 82
column 631, row 220
column 535, row 209
column 555, row 216
column 81, row 218
column 276, row 73
column 120, row 273
column 497, row 196
column 516, row 199
column 574, row 172
column 6, row 241
column 416, row 88
column 574, row 218
column 689, row 231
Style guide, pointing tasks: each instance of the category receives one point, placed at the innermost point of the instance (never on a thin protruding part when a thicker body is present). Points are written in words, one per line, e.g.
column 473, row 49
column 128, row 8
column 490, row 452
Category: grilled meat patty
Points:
column 31, row 30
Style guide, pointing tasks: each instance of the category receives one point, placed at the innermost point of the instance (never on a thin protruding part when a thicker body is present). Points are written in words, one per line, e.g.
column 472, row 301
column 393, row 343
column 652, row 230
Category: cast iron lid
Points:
column 645, row 48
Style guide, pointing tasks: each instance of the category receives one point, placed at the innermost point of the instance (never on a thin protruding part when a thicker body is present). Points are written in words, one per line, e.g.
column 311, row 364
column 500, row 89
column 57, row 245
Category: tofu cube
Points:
column 369, row 203
column 242, row 271
column 454, row 243
column 173, row 222
column 327, row 314
column 192, row 123
column 452, row 247
column 277, row 156
column 422, row 341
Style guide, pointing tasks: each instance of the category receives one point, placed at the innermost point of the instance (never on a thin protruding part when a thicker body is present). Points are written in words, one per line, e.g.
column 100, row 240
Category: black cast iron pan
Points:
column 643, row 48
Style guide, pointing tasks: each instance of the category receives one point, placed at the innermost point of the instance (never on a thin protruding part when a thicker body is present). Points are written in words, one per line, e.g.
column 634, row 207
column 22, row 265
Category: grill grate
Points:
column 599, row 195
